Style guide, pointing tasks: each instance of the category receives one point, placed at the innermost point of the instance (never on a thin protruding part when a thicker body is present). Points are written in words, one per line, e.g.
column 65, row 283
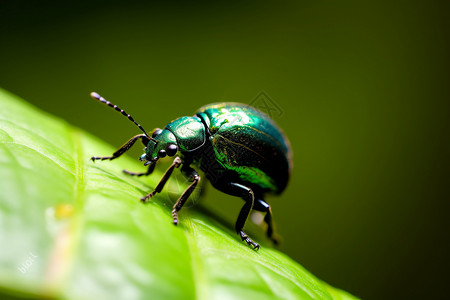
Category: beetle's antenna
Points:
column 103, row 100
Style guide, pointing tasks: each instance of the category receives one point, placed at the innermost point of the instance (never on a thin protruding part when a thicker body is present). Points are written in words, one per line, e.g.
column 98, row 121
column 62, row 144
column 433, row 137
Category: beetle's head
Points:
column 185, row 134
column 162, row 144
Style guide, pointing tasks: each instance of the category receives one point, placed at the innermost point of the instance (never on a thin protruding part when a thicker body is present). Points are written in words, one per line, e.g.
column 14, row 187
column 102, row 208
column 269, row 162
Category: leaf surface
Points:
column 71, row 228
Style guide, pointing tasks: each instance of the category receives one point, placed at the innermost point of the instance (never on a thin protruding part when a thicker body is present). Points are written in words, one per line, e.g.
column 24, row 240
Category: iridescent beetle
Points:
column 241, row 151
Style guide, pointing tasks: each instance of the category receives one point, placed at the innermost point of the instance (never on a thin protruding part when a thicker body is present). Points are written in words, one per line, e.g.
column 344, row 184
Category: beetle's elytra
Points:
column 241, row 151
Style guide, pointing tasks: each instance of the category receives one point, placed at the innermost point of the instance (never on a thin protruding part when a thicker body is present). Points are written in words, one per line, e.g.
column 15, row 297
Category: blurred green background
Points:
column 364, row 91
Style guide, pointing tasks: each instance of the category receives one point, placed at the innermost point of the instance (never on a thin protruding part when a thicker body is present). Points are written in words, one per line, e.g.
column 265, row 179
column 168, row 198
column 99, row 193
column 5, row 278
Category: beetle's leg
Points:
column 123, row 149
column 193, row 175
column 263, row 206
column 150, row 169
column 246, row 193
column 176, row 163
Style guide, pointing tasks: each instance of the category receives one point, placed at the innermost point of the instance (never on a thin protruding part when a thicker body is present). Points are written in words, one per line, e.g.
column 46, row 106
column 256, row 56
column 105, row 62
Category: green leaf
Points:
column 71, row 228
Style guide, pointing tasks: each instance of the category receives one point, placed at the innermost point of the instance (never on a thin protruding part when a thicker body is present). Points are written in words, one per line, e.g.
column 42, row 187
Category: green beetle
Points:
column 241, row 151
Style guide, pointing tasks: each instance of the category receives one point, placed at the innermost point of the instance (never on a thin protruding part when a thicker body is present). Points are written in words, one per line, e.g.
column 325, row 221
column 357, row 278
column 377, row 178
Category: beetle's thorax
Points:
column 189, row 133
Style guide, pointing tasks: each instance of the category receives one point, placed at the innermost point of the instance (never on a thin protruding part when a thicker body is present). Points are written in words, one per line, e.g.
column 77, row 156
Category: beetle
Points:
column 241, row 151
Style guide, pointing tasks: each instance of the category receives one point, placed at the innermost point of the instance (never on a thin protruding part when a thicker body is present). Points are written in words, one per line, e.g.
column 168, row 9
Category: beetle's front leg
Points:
column 150, row 170
column 124, row 148
column 195, row 178
column 176, row 163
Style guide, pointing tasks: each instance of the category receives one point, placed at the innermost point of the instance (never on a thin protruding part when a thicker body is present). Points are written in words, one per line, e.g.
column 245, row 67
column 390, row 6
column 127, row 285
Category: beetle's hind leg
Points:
column 236, row 189
column 264, row 207
column 123, row 149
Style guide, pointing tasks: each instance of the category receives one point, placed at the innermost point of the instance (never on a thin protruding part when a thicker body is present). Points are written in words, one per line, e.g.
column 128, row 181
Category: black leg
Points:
column 246, row 193
column 150, row 169
column 270, row 227
column 193, row 175
column 176, row 163
column 122, row 149
column 263, row 206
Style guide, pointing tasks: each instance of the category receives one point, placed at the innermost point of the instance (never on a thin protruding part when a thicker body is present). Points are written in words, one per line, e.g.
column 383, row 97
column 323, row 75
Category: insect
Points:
column 241, row 151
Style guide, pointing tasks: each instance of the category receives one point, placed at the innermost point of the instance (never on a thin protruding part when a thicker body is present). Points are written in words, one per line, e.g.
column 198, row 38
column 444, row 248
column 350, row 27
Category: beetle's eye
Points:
column 172, row 150
column 162, row 153
column 156, row 132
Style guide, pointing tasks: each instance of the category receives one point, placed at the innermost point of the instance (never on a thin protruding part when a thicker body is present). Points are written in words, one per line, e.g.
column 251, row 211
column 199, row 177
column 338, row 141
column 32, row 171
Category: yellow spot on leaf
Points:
column 64, row 211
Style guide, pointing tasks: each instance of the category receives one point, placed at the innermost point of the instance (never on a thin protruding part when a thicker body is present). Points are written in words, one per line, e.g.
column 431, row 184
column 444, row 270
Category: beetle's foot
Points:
column 134, row 173
column 175, row 216
column 275, row 240
column 147, row 197
column 249, row 241
column 94, row 158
